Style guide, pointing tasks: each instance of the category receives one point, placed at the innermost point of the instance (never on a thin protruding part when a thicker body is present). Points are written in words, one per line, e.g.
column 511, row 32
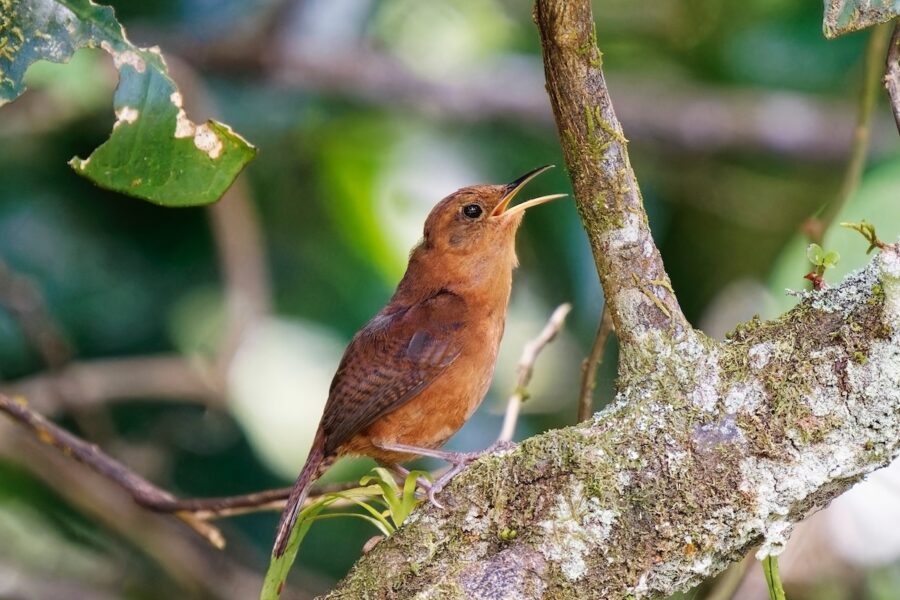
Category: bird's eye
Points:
column 473, row 211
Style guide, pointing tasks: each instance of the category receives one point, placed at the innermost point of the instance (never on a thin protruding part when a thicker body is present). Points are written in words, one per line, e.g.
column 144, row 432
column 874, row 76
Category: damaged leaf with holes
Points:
column 846, row 16
column 155, row 152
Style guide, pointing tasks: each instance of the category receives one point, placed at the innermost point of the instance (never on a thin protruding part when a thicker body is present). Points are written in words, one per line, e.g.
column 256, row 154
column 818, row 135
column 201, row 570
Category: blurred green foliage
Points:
column 342, row 185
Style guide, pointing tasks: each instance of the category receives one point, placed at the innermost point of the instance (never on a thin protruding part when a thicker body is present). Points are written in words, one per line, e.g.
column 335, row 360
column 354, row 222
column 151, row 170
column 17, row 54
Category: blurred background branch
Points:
column 892, row 73
column 873, row 73
column 671, row 112
column 22, row 298
column 590, row 365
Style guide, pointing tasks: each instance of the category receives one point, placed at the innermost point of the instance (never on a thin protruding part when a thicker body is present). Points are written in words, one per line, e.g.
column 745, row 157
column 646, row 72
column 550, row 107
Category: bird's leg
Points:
column 457, row 460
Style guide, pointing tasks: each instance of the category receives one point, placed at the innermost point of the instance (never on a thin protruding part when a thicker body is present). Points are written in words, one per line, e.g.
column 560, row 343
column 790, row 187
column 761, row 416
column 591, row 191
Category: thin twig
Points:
column 142, row 491
column 526, row 368
column 590, row 365
column 194, row 511
column 892, row 73
column 242, row 262
column 817, row 226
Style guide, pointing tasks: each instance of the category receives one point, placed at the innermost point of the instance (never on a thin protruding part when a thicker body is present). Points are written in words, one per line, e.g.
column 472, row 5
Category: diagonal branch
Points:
column 193, row 511
column 724, row 447
column 142, row 491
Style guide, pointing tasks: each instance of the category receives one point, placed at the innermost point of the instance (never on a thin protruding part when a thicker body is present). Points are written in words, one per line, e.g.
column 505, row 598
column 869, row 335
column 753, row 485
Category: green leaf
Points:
column 867, row 230
column 154, row 152
column 383, row 487
column 773, row 579
column 815, row 254
column 390, row 491
column 830, row 259
column 276, row 576
column 385, row 526
column 378, row 524
column 408, row 501
column 844, row 16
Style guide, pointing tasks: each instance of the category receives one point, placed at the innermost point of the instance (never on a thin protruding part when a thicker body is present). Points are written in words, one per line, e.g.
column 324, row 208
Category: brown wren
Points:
column 418, row 370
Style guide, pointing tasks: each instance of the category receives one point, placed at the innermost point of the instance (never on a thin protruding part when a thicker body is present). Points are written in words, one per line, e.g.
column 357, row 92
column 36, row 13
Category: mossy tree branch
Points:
column 718, row 448
column 710, row 448
column 643, row 307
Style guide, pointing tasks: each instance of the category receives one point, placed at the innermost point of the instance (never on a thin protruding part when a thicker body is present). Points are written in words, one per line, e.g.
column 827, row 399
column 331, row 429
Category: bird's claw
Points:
column 432, row 491
column 458, row 462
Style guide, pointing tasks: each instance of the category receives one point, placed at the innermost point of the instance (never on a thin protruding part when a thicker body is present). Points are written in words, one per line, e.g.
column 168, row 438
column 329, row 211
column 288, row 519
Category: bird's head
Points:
column 479, row 220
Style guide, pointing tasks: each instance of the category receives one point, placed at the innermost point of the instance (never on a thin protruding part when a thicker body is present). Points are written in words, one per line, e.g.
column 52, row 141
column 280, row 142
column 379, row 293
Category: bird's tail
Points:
column 315, row 465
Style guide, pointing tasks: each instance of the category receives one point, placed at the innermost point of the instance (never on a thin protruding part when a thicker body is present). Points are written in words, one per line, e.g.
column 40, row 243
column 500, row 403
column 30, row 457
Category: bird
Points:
column 415, row 373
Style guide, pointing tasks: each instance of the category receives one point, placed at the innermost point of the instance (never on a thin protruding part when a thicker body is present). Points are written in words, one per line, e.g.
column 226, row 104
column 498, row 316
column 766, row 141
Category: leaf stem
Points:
column 773, row 579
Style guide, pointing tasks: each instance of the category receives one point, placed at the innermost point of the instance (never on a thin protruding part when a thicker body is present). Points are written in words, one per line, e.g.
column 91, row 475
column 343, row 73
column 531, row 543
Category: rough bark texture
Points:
column 606, row 189
column 710, row 448
column 721, row 446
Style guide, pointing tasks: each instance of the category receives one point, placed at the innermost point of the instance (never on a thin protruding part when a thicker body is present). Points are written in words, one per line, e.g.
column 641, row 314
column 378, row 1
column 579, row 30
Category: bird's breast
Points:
column 441, row 409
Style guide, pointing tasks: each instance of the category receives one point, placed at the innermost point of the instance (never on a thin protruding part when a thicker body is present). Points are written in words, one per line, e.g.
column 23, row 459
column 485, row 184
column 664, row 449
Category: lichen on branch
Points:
column 721, row 447
column 709, row 449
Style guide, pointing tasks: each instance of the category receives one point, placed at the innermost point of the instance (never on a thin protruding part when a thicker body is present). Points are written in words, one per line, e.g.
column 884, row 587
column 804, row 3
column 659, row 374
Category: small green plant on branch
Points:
column 867, row 230
column 384, row 503
column 822, row 261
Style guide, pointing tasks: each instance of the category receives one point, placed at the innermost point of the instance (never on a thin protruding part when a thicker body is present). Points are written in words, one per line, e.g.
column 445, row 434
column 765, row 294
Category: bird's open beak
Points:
column 513, row 188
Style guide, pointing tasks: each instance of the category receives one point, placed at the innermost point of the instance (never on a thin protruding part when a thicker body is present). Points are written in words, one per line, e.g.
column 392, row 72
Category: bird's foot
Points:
column 457, row 460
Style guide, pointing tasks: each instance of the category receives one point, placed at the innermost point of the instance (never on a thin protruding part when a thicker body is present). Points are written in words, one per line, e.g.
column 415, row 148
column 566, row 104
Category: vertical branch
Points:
column 590, row 365
column 242, row 260
column 234, row 222
column 644, row 310
column 892, row 73
column 875, row 50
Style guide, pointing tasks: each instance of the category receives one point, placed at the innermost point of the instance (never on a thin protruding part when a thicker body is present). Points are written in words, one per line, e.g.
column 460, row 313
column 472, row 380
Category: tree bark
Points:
column 710, row 448
column 717, row 448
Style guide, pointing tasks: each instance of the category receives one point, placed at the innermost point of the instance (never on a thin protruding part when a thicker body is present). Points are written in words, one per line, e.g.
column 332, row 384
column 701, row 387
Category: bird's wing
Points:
column 393, row 358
